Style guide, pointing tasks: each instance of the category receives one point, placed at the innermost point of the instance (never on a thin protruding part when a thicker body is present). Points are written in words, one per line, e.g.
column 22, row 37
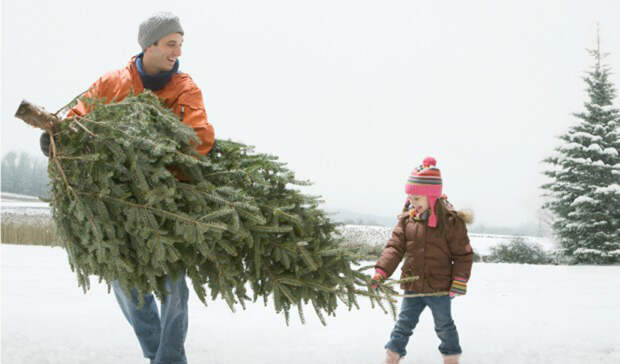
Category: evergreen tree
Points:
column 25, row 175
column 9, row 173
column 236, row 224
column 40, row 179
column 584, row 194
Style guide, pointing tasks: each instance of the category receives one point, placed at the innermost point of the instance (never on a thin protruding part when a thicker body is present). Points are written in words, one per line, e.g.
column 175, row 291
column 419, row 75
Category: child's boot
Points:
column 391, row 357
column 451, row 359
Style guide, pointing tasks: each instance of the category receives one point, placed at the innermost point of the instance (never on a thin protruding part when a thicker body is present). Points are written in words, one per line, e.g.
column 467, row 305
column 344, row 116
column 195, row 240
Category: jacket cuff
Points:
column 459, row 286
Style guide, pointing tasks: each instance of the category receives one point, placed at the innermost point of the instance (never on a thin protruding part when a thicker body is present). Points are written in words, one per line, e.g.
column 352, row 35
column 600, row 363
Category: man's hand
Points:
column 44, row 142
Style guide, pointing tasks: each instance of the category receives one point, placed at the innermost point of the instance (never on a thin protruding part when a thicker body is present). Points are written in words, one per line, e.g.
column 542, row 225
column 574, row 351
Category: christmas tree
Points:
column 234, row 222
column 584, row 194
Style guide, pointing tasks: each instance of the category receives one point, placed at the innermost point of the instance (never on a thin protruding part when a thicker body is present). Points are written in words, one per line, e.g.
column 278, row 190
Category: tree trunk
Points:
column 36, row 116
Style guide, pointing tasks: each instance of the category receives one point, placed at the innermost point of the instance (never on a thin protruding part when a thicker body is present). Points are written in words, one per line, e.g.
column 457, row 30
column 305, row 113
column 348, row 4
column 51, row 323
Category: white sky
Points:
column 352, row 94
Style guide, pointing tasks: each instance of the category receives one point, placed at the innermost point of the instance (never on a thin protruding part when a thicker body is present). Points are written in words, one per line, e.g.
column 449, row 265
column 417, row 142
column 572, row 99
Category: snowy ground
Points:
column 13, row 203
column 481, row 243
column 513, row 314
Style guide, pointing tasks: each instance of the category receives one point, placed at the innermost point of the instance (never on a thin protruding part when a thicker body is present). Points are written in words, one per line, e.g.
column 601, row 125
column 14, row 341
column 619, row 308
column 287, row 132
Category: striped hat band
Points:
column 423, row 180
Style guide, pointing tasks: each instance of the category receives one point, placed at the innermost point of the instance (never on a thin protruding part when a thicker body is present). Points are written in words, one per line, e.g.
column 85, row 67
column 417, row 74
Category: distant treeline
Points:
column 25, row 174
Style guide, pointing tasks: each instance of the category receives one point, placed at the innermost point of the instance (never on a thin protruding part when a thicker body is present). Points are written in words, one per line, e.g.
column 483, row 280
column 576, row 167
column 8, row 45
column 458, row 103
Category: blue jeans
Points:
column 162, row 338
column 409, row 315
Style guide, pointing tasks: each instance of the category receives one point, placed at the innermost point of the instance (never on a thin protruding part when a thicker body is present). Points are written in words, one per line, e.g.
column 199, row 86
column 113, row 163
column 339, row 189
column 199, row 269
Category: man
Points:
column 156, row 68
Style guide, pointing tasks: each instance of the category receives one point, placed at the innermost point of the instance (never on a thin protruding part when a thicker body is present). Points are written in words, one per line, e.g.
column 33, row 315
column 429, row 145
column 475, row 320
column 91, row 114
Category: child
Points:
column 434, row 240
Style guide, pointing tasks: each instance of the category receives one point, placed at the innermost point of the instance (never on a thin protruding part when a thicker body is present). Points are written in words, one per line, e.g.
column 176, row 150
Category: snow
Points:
column 482, row 243
column 581, row 134
column 611, row 151
column 25, row 208
column 595, row 148
column 589, row 251
column 512, row 314
column 578, row 160
column 576, row 225
column 13, row 203
column 607, row 108
column 615, row 188
column 366, row 234
column 599, row 223
column 583, row 200
column 372, row 235
column 571, row 146
column 8, row 196
column 568, row 161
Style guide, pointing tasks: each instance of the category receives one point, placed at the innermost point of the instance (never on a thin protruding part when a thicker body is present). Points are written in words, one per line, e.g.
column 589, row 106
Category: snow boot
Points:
column 451, row 359
column 391, row 357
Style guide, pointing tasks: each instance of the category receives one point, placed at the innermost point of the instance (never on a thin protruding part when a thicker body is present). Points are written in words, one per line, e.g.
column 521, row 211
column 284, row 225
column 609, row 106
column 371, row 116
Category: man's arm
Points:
column 94, row 91
column 193, row 113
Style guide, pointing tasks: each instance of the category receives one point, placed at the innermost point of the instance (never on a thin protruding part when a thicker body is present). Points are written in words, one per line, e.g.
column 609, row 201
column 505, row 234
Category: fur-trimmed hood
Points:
column 467, row 215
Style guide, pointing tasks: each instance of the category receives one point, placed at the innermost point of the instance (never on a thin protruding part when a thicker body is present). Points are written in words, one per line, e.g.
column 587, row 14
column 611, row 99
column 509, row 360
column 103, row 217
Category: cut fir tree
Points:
column 234, row 223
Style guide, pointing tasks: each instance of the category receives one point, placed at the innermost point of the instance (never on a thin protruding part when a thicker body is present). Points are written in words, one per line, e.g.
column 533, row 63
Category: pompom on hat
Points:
column 425, row 180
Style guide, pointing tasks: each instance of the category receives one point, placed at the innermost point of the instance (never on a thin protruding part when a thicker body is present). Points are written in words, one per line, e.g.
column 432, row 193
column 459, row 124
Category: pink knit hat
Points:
column 426, row 180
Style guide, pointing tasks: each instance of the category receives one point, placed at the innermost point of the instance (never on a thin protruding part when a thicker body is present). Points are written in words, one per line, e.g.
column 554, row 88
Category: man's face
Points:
column 419, row 202
column 161, row 57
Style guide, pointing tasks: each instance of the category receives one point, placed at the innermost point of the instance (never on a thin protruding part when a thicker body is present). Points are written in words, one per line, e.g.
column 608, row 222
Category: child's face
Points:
column 419, row 202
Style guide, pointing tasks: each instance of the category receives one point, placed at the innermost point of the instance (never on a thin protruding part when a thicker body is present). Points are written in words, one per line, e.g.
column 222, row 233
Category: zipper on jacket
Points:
column 424, row 247
column 182, row 112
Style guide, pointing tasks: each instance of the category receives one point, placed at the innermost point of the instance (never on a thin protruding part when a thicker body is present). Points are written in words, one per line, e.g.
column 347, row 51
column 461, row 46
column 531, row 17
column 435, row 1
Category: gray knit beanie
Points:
column 156, row 27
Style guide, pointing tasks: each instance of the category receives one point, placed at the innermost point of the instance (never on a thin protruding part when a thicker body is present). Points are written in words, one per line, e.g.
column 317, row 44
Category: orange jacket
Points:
column 180, row 94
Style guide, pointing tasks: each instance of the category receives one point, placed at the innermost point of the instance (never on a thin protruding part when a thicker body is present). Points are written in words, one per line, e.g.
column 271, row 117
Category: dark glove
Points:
column 44, row 142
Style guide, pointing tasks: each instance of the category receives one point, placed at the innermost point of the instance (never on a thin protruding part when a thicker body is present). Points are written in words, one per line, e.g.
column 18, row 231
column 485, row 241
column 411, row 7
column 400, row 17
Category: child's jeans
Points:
column 409, row 315
column 161, row 339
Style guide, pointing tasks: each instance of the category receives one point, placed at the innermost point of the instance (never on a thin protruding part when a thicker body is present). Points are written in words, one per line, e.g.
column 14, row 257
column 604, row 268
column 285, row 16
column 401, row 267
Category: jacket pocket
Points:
column 190, row 114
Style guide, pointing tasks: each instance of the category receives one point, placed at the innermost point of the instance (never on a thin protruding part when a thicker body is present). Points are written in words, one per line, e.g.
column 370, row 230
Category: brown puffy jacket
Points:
column 436, row 260
column 180, row 94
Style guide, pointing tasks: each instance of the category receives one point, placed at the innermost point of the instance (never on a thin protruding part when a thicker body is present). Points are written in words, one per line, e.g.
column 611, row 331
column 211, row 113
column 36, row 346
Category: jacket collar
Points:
column 154, row 82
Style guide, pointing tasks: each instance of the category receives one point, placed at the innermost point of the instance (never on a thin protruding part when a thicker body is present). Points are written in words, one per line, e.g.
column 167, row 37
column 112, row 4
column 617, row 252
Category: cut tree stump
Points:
column 36, row 116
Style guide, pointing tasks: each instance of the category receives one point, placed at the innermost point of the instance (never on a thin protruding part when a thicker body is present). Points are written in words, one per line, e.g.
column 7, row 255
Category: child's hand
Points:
column 379, row 277
column 459, row 287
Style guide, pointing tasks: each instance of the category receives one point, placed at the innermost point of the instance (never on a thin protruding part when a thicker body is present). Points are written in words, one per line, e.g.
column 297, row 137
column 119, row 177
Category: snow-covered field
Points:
column 15, row 205
column 12, row 203
column 513, row 314
column 482, row 243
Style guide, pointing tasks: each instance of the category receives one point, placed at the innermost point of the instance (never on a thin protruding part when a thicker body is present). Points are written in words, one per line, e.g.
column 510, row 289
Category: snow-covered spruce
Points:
column 584, row 194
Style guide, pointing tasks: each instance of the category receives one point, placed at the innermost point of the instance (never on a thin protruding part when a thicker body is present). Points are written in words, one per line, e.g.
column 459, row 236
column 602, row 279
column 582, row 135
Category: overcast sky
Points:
column 352, row 94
